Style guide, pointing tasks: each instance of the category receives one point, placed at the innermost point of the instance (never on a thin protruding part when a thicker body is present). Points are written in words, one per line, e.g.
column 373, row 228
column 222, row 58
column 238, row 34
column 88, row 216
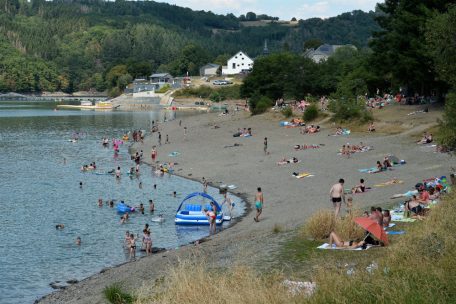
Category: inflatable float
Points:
column 192, row 214
column 123, row 208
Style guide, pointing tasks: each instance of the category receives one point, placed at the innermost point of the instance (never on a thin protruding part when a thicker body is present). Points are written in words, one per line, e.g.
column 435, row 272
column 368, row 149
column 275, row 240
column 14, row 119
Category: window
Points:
column 242, row 64
column 235, row 57
column 234, row 65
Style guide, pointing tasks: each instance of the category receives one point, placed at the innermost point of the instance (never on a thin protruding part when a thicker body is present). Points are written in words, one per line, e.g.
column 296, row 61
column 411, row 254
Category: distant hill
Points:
column 77, row 45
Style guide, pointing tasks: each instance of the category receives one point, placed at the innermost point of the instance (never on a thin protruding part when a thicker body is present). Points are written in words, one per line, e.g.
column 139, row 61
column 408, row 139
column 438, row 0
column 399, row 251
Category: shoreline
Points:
column 131, row 150
column 288, row 201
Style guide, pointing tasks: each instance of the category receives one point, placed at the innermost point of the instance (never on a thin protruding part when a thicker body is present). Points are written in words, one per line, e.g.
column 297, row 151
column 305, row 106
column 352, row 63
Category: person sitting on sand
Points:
column 424, row 197
column 386, row 218
column 375, row 216
column 371, row 127
column 339, row 131
column 434, row 193
column 424, row 139
column 360, row 188
column 414, row 206
column 387, row 163
column 334, row 239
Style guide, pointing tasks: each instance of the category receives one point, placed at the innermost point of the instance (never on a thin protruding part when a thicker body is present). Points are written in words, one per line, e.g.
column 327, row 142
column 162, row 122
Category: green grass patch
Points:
column 115, row 295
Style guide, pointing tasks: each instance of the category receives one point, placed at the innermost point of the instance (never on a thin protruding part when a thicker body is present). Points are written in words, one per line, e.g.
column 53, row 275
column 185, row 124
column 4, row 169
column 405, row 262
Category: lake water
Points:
column 39, row 190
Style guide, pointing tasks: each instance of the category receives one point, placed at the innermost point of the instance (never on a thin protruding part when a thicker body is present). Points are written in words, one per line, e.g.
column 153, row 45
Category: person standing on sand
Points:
column 265, row 148
column 167, row 139
column 258, row 204
column 337, row 196
column 204, row 185
column 159, row 139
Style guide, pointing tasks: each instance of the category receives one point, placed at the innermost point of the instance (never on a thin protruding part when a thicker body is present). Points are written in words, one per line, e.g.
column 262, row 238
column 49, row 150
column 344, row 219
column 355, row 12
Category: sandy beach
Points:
column 211, row 152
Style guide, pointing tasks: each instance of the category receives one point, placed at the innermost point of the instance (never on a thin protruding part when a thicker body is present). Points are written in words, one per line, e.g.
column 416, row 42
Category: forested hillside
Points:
column 92, row 44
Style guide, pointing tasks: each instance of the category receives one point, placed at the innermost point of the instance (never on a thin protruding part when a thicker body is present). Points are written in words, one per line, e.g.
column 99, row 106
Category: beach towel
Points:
column 231, row 187
column 367, row 170
column 329, row 247
column 301, row 175
column 174, row 154
column 389, row 183
column 281, row 163
column 390, row 226
column 395, row 232
column 403, row 220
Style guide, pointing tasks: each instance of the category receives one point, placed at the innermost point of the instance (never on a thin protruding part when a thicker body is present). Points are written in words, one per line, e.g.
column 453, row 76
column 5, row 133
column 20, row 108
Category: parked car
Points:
column 219, row 82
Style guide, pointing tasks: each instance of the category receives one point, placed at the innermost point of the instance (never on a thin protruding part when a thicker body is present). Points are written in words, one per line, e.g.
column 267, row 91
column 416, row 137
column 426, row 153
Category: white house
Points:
column 238, row 63
column 324, row 51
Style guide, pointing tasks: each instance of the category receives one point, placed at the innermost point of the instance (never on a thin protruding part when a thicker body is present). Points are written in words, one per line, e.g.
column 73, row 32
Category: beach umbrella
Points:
column 373, row 228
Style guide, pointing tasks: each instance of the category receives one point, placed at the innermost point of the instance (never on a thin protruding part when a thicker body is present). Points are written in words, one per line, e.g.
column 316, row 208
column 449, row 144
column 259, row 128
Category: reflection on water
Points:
column 39, row 190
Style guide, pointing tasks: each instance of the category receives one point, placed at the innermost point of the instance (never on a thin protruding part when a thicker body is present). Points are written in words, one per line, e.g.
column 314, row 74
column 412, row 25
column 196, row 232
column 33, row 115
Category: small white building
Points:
column 238, row 63
column 209, row 69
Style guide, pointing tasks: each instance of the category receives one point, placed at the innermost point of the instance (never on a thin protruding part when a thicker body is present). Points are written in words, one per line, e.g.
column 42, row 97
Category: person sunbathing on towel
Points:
column 336, row 240
column 379, row 168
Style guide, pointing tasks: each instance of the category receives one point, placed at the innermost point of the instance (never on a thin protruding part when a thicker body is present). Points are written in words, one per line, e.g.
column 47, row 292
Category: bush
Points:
column 115, row 295
column 311, row 113
column 193, row 282
column 216, row 97
column 347, row 229
column 164, row 89
column 287, row 112
column 260, row 105
column 320, row 224
column 346, row 109
column 446, row 135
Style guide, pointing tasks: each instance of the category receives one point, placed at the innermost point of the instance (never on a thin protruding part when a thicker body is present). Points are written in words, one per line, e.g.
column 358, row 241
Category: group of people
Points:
column 90, row 167
column 245, row 132
column 310, row 129
column 138, row 136
column 348, row 149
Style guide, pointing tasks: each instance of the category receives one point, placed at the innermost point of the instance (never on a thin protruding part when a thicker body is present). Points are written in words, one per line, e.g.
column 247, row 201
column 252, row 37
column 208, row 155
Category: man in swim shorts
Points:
column 337, row 196
column 258, row 204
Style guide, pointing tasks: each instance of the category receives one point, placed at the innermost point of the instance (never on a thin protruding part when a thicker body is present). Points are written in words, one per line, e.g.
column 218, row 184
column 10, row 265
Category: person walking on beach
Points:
column 258, row 204
column 118, row 172
column 337, row 196
column 204, row 181
column 265, row 148
column 167, row 139
column 159, row 139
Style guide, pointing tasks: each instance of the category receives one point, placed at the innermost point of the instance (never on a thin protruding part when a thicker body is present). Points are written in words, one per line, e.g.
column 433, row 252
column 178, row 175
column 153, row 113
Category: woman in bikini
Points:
column 132, row 246
column 360, row 188
column 336, row 240
column 211, row 216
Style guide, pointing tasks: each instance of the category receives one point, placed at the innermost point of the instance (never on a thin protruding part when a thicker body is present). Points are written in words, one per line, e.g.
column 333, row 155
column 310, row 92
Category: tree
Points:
column 294, row 19
column 399, row 48
column 441, row 30
column 250, row 16
column 312, row 44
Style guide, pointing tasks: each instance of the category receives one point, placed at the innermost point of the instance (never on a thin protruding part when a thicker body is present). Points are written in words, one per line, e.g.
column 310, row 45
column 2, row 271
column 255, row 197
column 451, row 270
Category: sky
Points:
column 284, row 9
